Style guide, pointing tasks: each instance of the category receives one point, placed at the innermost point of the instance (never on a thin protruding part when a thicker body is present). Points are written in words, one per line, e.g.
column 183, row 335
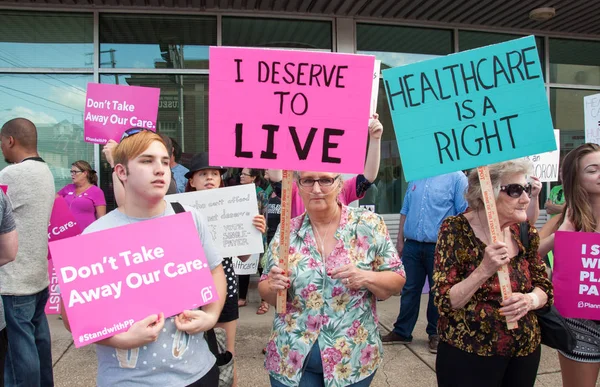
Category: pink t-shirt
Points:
column 346, row 196
column 83, row 206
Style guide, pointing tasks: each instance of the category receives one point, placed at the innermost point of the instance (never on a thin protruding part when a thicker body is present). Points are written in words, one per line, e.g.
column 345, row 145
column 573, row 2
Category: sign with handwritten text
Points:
column 112, row 109
column 295, row 110
column 248, row 267
column 229, row 212
column 62, row 225
column 591, row 108
column 576, row 274
column 106, row 287
column 545, row 165
column 470, row 109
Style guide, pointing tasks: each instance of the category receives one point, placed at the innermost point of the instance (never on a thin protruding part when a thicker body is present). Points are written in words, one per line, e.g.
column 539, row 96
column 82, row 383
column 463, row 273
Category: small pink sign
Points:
column 297, row 110
column 112, row 109
column 576, row 274
column 4, row 188
column 62, row 225
column 106, row 287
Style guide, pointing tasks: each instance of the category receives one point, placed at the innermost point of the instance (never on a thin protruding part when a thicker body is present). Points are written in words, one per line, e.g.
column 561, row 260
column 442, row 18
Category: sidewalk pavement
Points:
column 404, row 365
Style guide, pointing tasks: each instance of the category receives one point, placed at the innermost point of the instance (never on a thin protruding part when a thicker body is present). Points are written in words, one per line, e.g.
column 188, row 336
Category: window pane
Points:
column 55, row 104
column 48, row 39
column 574, row 62
column 396, row 46
column 182, row 113
column 262, row 32
column 566, row 106
column 161, row 41
column 468, row 40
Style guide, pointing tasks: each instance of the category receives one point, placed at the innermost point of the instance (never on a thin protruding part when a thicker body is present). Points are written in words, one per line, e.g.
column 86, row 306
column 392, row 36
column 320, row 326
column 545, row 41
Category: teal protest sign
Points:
column 470, row 109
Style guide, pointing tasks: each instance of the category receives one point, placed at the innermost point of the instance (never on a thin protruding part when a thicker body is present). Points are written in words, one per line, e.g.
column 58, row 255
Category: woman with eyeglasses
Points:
column 476, row 348
column 85, row 200
column 341, row 260
column 202, row 176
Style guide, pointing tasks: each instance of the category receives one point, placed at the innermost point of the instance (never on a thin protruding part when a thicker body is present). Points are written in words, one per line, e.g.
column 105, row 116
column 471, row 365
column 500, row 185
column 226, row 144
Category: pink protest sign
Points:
column 62, row 225
column 4, row 188
column 112, row 109
column 283, row 109
column 106, row 287
column 576, row 274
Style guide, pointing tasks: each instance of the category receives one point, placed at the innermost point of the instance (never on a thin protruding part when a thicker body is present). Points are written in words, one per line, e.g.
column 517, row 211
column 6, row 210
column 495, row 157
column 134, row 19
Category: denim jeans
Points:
column 418, row 264
column 312, row 373
column 29, row 358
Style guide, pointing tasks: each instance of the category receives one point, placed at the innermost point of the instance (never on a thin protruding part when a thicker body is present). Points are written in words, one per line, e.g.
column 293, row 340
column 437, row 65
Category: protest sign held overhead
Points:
column 106, row 287
column 470, row 109
column 62, row 225
column 591, row 109
column 576, row 275
column 545, row 165
column 283, row 109
column 229, row 212
column 112, row 109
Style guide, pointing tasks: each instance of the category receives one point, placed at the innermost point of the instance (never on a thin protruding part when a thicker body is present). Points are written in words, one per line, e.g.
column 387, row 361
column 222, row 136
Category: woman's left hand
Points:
column 260, row 223
column 351, row 276
column 515, row 307
column 195, row 321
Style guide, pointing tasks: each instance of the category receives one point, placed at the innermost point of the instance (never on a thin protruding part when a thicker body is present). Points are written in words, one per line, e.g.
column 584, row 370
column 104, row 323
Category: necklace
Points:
column 326, row 233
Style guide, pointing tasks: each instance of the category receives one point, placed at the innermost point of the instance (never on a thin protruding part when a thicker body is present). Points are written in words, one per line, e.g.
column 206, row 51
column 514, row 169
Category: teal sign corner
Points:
column 469, row 109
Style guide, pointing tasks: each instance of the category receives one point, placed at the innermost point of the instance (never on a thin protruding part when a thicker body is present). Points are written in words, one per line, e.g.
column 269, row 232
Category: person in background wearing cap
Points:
column 202, row 176
column 84, row 198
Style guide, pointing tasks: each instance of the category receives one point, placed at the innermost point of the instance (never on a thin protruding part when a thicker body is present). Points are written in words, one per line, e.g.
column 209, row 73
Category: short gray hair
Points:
column 497, row 172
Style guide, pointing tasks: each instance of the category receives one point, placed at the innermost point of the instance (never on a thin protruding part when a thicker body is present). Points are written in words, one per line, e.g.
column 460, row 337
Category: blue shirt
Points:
column 429, row 201
column 179, row 172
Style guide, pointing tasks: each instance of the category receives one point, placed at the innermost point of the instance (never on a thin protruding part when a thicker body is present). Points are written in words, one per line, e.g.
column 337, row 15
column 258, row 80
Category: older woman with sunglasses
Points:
column 341, row 259
column 476, row 347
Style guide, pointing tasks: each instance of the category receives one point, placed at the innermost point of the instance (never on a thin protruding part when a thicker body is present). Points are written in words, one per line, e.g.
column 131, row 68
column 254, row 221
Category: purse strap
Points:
column 523, row 234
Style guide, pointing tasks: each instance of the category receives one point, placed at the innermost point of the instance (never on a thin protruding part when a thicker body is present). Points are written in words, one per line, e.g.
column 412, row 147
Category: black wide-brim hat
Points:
column 200, row 162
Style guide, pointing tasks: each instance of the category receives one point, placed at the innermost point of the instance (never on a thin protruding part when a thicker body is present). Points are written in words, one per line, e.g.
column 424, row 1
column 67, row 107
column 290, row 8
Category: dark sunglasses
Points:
column 516, row 190
column 131, row 132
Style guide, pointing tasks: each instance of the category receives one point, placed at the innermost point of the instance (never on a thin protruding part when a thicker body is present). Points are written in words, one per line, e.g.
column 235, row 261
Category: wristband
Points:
column 535, row 300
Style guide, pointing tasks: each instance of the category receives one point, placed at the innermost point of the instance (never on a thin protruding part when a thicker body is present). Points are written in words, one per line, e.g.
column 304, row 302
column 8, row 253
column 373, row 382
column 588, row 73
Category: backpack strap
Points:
column 177, row 207
column 523, row 234
column 211, row 340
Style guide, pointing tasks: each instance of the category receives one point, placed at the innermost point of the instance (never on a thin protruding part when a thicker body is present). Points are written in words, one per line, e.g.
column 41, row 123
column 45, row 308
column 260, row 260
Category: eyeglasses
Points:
column 307, row 182
column 74, row 172
column 516, row 190
column 132, row 131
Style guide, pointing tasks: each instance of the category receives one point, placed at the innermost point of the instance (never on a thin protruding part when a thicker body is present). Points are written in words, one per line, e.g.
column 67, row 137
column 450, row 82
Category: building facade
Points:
column 50, row 51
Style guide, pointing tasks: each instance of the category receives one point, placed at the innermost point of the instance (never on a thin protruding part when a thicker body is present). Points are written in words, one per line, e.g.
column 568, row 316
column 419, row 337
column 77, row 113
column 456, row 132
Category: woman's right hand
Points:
column 494, row 257
column 277, row 279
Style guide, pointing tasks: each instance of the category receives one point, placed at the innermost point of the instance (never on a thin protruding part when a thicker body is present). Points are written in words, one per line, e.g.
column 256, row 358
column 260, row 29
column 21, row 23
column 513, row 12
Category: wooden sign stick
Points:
column 495, row 232
column 284, row 233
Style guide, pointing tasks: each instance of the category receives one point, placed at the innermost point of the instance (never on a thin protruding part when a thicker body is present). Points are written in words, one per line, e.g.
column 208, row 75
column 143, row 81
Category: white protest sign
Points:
column 229, row 212
column 545, row 165
column 375, row 90
column 246, row 268
column 591, row 112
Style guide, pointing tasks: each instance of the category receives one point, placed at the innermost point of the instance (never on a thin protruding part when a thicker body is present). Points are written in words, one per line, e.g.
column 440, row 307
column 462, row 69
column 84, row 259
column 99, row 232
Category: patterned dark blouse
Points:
column 478, row 327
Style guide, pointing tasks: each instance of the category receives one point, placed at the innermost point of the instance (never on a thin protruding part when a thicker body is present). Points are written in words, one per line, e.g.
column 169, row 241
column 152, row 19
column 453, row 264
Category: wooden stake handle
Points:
column 284, row 234
column 495, row 232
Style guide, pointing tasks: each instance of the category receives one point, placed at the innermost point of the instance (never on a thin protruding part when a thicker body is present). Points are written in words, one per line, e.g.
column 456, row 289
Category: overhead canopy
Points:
column 573, row 17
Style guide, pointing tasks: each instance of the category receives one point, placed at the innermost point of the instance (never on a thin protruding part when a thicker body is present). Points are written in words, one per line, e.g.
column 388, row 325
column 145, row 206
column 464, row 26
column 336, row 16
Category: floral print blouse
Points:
column 319, row 307
column 478, row 327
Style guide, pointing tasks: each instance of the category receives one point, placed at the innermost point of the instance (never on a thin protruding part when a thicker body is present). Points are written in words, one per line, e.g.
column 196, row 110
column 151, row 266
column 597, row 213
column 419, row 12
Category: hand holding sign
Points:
column 195, row 321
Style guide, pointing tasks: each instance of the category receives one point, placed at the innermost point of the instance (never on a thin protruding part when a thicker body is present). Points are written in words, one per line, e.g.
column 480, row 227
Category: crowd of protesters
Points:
column 342, row 260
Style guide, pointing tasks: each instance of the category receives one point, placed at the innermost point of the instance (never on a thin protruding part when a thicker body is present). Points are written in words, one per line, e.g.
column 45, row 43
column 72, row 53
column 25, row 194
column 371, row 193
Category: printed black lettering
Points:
column 327, row 144
column 302, row 151
column 238, row 143
column 238, row 63
column 269, row 153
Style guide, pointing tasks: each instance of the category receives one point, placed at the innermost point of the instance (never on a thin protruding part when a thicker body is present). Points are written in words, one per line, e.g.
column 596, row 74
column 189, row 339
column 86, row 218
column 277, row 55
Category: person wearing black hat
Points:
column 202, row 176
